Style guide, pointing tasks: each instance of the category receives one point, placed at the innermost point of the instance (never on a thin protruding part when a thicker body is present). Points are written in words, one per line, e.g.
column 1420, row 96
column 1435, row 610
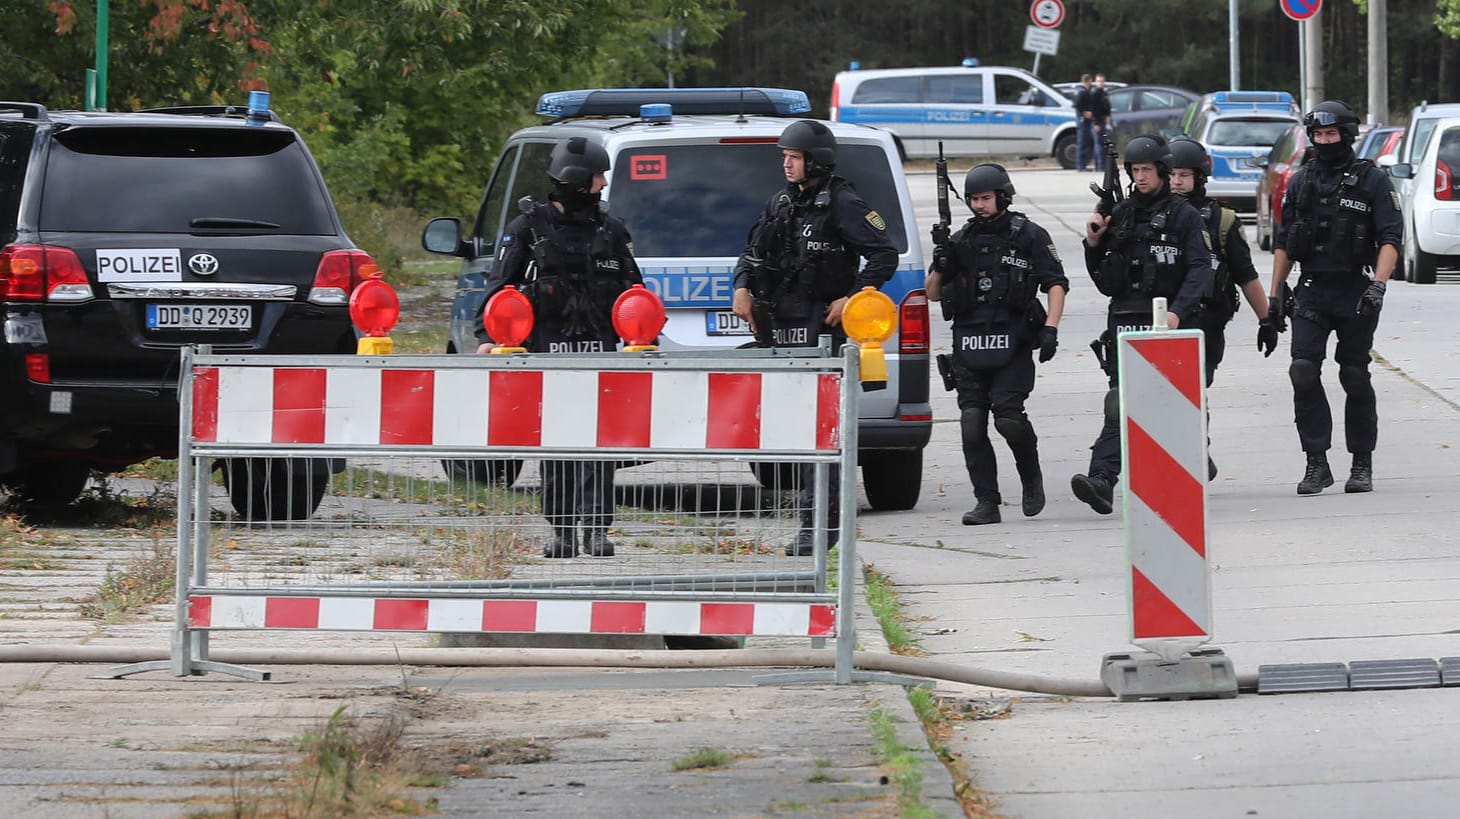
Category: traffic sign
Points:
column 1041, row 40
column 1300, row 10
column 1050, row 13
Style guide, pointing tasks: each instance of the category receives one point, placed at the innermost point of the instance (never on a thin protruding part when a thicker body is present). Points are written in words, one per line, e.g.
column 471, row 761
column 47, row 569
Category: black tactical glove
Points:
column 1372, row 300
column 1275, row 314
column 1048, row 342
column 1267, row 336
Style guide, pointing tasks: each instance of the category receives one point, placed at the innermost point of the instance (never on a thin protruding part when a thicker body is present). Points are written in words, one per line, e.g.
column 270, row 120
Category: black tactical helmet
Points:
column 575, row 161
column 1148, row 148
column 989, row 177
column 813, row 139
column 1188, row 153
column 1332, row 113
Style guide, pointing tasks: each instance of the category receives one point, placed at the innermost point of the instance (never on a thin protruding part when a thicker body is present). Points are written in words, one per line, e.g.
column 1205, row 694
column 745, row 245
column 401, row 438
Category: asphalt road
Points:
column 1326, row 578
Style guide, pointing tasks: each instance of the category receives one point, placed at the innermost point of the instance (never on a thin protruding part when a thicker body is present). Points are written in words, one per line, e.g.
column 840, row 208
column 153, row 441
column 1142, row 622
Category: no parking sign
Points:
column 1300, row 10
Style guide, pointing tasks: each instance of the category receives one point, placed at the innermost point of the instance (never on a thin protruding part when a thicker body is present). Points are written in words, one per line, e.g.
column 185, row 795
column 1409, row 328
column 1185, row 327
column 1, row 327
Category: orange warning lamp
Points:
column 374, row 308
column 508, row 319
column 638, row 317
column 869, row 319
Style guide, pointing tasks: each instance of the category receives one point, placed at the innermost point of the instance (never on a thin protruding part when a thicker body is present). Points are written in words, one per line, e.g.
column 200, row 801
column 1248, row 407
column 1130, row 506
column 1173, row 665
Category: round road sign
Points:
column 1300, row 10
column 1050, row 13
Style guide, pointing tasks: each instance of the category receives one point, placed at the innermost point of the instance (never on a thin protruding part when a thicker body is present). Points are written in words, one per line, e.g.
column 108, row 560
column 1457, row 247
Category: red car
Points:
column 1285, row 158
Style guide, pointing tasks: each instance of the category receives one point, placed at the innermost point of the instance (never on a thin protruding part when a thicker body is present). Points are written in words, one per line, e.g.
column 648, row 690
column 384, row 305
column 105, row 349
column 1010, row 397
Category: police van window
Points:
column 494, row 204
column 700, row 200
column 1011, row 90
column 888, row 89
column 531, row 178
column 959, row 88
column 248, row 174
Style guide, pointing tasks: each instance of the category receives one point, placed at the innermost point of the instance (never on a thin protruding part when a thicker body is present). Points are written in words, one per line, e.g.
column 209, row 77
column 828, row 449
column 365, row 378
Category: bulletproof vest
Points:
column 1147, row 256
column 818, row 267
column 1220, row 290
column 575, row 278
column 1334, row 226
column 993, row 275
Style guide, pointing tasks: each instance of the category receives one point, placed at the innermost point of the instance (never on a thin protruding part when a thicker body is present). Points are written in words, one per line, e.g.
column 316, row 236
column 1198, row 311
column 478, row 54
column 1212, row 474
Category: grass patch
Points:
column 884, row 604
column 155, row 469
column 704, row 759
column 454, row 497
column 143, row 582
column 482, row 554
column 903, row 767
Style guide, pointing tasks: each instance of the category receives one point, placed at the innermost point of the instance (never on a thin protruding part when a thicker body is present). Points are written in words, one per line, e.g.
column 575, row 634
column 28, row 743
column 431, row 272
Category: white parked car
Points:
column 1432, row 202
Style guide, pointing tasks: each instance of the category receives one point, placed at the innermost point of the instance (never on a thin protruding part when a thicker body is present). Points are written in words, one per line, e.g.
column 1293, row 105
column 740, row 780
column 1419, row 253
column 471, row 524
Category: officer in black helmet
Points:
column 572, row 260
column 803, row 261
column 988, row 280
column 1233, row 271
column 1341, row 222
column 1152, row 245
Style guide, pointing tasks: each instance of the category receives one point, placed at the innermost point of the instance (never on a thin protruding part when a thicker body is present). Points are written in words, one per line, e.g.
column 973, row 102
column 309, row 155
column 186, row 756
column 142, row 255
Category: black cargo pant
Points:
column 1328, row 303
column 1000, row 392
column 578, row 491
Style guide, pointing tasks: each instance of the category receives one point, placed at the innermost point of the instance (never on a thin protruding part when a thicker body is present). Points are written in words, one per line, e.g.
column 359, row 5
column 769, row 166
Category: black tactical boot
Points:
column 596, row 542
column 1361, row 479
column 802, row 546
column 1033, row 500
column 1316, row 476
column 1096, row 489
column 985, row 511
column 563, row 544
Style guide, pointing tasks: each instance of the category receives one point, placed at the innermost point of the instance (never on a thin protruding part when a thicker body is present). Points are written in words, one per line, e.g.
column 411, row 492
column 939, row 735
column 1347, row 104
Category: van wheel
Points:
column 1424, row 267
column 275, row 488
column 1064, row 151
column 49, row 481
column 777, row 477
column 501, row 473
column 893, row 479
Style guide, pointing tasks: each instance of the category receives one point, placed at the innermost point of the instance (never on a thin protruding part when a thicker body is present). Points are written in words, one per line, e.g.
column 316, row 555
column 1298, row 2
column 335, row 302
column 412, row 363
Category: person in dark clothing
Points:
column 988, row 280
column 571, row 260
column 801, row 262
column 1233, row 271
column 1153, row 245
column 1100, row 114
column 1086, row 148
column 1341, row 222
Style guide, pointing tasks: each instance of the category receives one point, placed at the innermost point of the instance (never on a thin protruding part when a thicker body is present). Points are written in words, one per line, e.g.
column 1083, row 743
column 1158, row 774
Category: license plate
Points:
column 725, row 323
column 199, row 316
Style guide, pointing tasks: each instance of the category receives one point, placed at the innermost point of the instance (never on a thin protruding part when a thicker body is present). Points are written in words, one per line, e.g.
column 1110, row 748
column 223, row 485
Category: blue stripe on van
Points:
column 706, row 286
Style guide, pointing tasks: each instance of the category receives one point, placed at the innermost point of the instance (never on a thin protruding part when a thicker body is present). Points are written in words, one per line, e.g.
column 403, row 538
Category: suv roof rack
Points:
column 207, row 111
column 28, row 110
column 772, row 102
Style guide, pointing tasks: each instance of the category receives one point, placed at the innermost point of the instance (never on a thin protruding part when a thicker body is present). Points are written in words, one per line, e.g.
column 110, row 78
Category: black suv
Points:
column 127, row 236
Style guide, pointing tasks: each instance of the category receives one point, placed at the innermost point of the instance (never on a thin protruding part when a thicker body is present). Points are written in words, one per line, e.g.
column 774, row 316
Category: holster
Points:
column 945, row 371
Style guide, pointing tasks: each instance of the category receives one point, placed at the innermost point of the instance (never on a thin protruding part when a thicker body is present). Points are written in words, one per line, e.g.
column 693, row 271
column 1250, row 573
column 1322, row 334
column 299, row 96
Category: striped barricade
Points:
column 378, row 553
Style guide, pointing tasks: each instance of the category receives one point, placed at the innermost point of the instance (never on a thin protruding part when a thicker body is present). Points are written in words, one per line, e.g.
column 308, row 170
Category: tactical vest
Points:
column 993, row 274
column 575, row 278
column 1219, row 222
column 1146, row 261
column 1333, row 229
column 816, row 264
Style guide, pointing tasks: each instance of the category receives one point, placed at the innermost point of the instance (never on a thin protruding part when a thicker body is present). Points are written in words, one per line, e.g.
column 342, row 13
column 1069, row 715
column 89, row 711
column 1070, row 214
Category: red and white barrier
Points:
column 1163, row 433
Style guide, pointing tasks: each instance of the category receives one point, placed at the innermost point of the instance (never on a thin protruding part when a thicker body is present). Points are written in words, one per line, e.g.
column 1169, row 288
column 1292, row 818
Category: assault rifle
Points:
column 945, row 220
column 1110, row 193
column 765, row 278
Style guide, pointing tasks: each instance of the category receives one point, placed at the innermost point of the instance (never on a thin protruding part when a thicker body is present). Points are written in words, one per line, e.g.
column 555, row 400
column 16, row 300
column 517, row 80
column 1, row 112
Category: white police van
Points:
column 689, row 176
column 1236, row 128
column 974, row 111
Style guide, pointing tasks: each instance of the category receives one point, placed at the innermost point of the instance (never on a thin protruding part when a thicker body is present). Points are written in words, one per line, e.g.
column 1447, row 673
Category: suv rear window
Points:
column 701, row 200
column 158, row 180
column 1242, row 132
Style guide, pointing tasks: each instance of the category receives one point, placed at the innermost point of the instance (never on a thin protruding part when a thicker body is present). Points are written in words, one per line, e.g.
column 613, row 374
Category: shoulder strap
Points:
column 1229, row 218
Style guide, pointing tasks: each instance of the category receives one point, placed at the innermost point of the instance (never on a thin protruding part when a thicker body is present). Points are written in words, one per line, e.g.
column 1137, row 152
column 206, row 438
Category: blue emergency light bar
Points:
column 606, row 102
column 1258, row 100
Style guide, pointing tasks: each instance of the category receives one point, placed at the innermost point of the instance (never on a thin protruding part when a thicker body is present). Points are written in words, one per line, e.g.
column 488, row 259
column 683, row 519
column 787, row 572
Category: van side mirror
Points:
column 1401, row 170
column 443, row 235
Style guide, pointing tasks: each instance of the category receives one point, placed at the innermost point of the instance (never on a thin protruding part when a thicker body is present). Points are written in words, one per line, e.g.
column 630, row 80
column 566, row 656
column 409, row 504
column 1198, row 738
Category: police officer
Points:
column 1152, row 245
column 988, row 280
column 572, row 261
column 1341, row 222
column 1233, row 270
column 801, row 263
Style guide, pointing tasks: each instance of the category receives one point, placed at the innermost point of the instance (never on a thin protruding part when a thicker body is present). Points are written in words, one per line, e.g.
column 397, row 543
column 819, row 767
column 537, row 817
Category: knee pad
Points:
column 1012, row 427
column 1304, row 374
column 1353, row 377
column 1112, row 407
column 975, row 426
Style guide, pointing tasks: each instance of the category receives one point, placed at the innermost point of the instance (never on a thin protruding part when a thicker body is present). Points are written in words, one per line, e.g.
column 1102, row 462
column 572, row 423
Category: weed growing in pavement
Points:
column 883, row 602
column 901, row 765
column 155, row 469
column 704, row 759
column 455, row 497
column 482, row 554
column 143, row 582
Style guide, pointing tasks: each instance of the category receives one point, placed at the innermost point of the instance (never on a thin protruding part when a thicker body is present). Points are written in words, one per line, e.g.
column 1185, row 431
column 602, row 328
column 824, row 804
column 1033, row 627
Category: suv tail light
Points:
column 338, row 274
column 42, row 273
column 913, row 330
column 1443, row 181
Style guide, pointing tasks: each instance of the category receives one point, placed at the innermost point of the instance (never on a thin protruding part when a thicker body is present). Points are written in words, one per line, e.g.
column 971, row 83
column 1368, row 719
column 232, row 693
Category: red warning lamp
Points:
column 638, row 317
column 375, row 309
column 508, row 320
